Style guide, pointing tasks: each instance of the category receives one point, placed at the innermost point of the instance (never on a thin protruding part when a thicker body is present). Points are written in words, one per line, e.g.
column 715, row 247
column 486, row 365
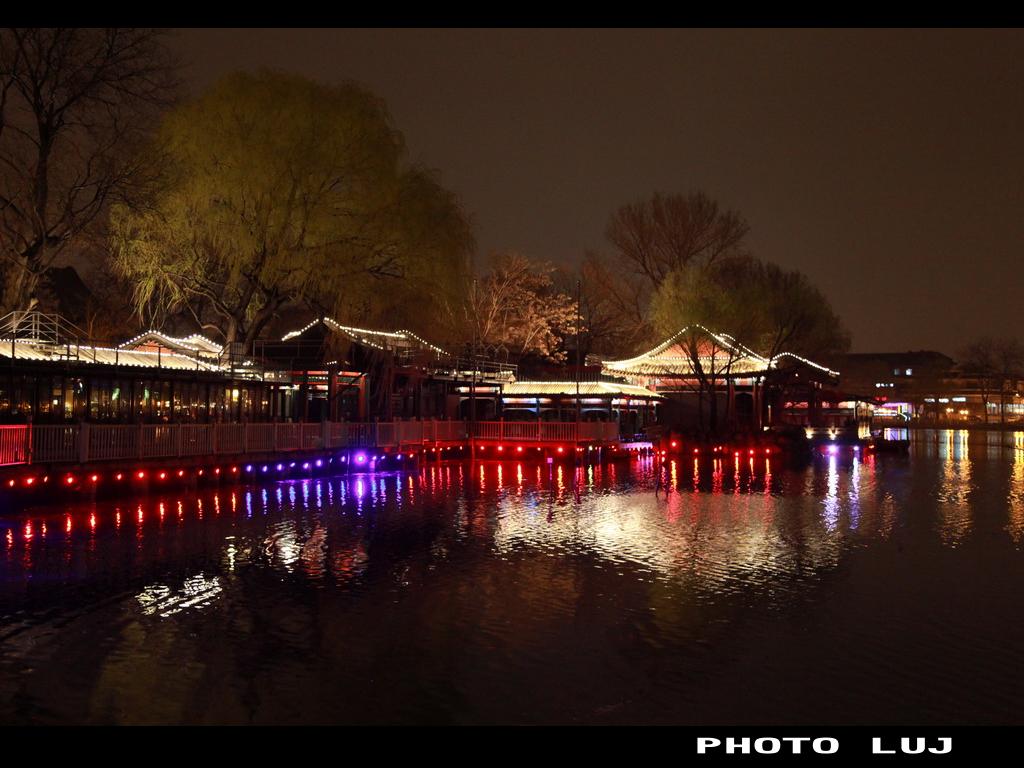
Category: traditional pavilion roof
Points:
column 136, row 358
column 716, row 350
column 194, row 344
column 402, row 339
column 568, row 388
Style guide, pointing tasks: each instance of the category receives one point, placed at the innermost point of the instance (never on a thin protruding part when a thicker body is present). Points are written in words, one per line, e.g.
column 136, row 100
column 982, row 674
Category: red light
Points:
column 69, row 479
column 737, row 453
column 140, row 475
column 501, row 447
column 751, row 451
column 94, row 478
column 234, row 469
column 695, row 450
column 28, row 481
column 10, row 483
column 519, row 449
column 216, row 471
column 674, row 443
column 163, row 475
column 767, row 450
column 200, row 472
column 559, row 449
column 181, row 473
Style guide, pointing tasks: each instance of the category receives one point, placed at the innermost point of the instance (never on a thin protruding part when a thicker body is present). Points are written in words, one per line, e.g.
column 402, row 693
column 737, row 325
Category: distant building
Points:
column 923, row 387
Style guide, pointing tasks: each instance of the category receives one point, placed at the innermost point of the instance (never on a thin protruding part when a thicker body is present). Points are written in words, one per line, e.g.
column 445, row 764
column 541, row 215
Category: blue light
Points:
column 280, row 467
column 319, row 463
column 248, row 467
column 263, row 468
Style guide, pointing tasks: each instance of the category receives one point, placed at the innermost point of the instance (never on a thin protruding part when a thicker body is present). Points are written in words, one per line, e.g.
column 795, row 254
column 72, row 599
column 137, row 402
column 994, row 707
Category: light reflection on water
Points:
column 689, row 590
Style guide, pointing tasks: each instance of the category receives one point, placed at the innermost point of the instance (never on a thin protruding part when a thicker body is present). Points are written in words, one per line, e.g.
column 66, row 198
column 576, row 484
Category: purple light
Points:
column 305, row 465
column 263, row 468
column 360, row 458
column 319, row 463
column 399, row 457
column 833, row 449
column 292, row 464
column 280, row 467
column 248, row 467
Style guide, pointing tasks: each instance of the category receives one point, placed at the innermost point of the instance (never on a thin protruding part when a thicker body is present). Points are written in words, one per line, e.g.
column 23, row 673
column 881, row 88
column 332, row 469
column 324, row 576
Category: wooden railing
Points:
column 81, row 443
column 14, row 444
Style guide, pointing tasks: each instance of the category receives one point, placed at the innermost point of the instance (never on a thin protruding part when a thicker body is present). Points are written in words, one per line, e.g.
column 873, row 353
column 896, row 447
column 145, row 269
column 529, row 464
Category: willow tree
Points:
column 279, row 191
column 761, row 306
column 709, row 306
column 650, row 240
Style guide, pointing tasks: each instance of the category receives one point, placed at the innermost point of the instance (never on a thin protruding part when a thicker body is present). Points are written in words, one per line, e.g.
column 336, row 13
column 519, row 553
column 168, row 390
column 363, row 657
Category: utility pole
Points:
column 579, row 295
column 472, row 383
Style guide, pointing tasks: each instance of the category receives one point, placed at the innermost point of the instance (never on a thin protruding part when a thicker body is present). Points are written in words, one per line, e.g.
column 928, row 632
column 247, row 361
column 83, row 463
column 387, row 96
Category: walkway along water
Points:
column 36, row 460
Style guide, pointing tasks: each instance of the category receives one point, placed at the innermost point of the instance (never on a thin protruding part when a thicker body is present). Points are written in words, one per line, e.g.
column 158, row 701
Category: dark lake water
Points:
column 883, row 590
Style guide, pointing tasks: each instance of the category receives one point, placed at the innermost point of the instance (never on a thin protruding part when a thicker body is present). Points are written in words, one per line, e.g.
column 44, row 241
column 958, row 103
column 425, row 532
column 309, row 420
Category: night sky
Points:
column 887, row 165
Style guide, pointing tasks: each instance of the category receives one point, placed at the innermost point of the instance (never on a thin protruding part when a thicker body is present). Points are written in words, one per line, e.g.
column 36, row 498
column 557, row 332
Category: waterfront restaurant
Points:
column 347, row 373
column 50, row 374
column 751, row 390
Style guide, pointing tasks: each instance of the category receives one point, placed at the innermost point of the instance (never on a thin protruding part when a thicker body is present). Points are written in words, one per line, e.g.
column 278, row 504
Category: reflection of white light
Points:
column 196, row 592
